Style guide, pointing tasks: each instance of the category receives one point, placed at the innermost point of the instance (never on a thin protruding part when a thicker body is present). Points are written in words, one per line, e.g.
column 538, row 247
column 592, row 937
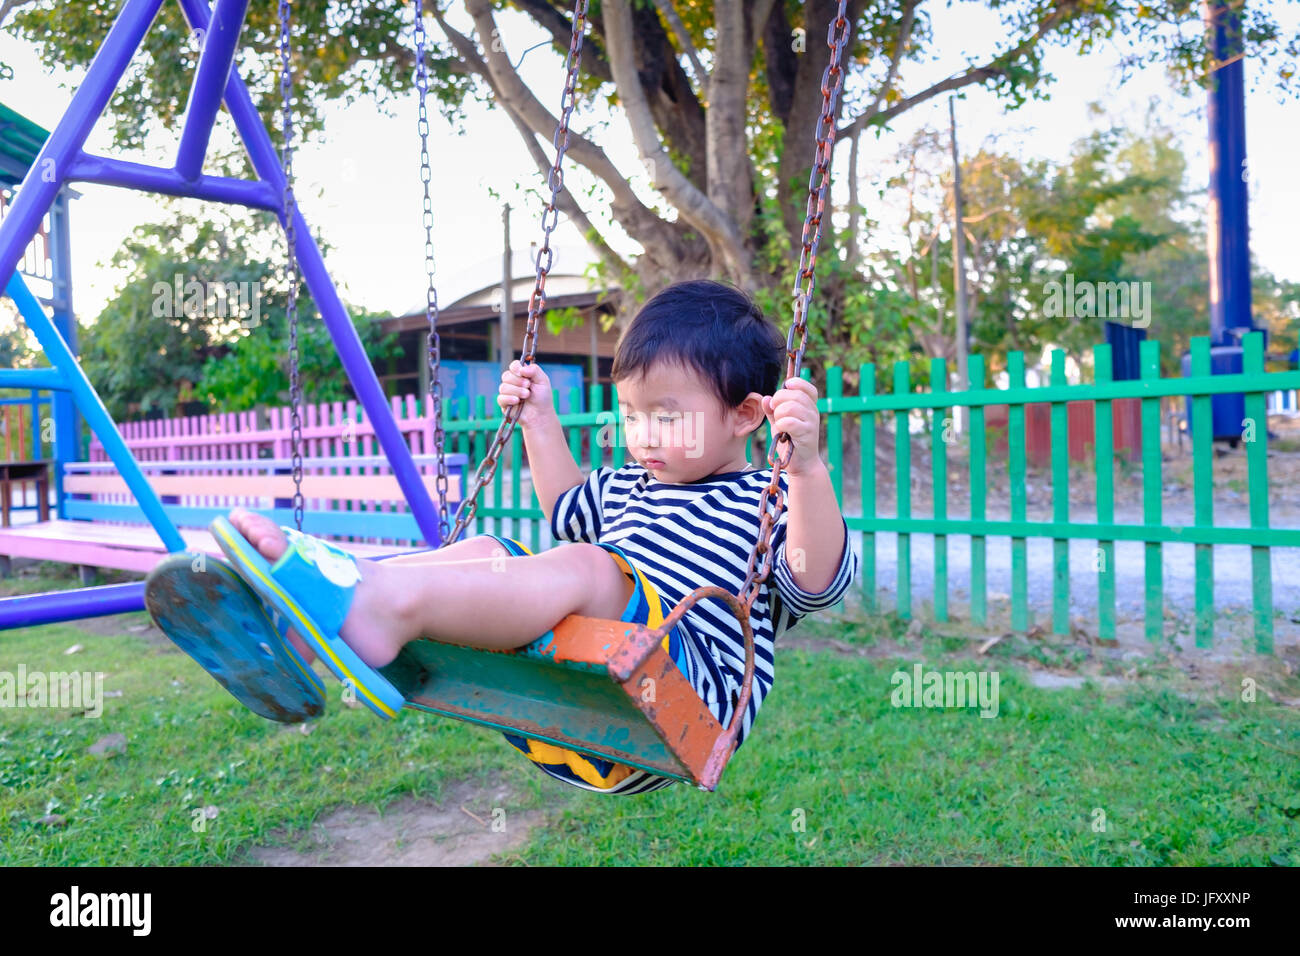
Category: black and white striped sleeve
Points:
column 577, row 515
column 798, row 601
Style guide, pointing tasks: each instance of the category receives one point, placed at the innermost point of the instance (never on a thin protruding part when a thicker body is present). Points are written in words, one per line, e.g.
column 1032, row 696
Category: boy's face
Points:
column 675, row 427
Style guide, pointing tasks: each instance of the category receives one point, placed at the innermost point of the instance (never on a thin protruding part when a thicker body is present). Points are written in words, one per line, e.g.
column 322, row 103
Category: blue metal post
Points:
column 60, row 356
column 39, row 188
column 220, row 40
column 120, row 172
column 28, row 610
column 344, row 334
column 1229, row 238
column 64, row 151
column 32, row 378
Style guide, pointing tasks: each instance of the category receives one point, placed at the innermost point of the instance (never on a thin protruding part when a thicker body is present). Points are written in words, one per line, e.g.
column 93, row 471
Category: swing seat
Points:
column 604, row 688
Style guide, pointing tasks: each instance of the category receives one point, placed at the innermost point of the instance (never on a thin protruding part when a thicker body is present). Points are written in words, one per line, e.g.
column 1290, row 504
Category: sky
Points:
column 360, row 188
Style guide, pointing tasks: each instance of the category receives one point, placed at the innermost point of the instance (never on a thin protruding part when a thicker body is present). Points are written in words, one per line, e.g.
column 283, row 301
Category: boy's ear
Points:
column 749, row 413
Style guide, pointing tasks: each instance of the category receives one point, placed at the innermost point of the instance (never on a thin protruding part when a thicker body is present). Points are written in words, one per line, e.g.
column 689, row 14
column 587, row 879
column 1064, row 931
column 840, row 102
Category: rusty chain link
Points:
column 772, row 501
column 545, row 256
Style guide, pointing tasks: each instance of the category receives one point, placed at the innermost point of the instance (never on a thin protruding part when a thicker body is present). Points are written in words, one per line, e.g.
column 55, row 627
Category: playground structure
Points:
column 62, row 160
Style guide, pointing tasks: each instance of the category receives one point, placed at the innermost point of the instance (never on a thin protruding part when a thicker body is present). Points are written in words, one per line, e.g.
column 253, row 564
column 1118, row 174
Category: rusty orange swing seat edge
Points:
column 630, row 655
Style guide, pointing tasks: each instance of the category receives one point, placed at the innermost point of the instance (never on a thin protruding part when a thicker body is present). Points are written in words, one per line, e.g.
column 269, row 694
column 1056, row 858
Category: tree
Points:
column 201, row 319
column 720, row 98
column 254, row 369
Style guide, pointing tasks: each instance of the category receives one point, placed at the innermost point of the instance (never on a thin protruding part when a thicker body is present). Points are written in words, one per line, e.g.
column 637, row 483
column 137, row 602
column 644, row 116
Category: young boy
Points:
column 697, row 372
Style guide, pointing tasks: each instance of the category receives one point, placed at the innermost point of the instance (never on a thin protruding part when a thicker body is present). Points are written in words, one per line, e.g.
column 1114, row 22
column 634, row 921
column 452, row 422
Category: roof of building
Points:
column 478, row 283
column 20, row 143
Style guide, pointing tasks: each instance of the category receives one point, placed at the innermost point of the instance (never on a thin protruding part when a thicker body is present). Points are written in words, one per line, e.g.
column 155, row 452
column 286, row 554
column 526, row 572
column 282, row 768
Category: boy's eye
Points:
column 667, row 419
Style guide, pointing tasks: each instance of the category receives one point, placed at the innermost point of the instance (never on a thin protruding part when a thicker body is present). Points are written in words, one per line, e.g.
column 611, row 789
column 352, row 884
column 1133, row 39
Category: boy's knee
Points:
column 593, row 559
column 604, row 576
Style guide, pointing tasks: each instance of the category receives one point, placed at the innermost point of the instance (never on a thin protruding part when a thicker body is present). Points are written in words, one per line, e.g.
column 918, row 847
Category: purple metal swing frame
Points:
column 63, row 160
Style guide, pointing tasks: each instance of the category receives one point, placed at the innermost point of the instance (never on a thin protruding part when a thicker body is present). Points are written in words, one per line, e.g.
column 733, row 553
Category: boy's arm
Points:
column 552, row 466
column 814, row 538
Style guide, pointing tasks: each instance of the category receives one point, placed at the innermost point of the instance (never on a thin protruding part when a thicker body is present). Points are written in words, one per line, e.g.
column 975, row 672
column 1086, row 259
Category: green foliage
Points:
column 255, row 369
column 1118, row 209
column 152, row 349
column 356, row 50
column 1095, row 215
column 145, row 351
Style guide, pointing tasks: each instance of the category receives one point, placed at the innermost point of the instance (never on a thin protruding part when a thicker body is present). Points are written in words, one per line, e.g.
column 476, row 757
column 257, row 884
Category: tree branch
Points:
column 696, row 208
column 851, row 251
column 900, row 47
column 780, row 63
column 565, row 201
column 553, row 20
column 756, row 16
column 997, row 66
column 9, row 6
column 730, row 176
column 640, row 222
column 684, row 41
column 510, row 90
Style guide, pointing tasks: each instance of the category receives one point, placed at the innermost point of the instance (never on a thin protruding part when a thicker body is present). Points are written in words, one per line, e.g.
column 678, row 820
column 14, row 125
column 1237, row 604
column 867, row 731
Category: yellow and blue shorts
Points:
column 645, row 606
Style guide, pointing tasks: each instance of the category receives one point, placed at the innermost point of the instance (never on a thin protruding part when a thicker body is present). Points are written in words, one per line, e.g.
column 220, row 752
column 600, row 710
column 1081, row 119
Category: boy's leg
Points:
column 505, row 602
column 495, row 602
column 467, row 549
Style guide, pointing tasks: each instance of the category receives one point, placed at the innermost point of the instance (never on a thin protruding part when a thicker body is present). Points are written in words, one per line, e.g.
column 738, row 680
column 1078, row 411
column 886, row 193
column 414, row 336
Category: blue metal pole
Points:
column 344, row 334
column 220, row 40
column 118, row 172
column 67, row 423
column 28, row 610
column 61, row 357
column 32, row 378
column 1229, row 238
column 37, row 193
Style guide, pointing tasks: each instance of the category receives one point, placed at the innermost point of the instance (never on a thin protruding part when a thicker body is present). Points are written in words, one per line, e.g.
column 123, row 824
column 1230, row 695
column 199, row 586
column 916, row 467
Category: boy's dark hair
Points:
column 712, row 328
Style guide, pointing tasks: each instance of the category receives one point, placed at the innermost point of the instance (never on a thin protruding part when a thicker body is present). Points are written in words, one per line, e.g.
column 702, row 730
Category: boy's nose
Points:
column 642, row 434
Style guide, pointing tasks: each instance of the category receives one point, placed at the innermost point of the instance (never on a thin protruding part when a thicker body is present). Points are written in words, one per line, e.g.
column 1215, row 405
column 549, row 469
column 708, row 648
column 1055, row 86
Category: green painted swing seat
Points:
column 604, row 688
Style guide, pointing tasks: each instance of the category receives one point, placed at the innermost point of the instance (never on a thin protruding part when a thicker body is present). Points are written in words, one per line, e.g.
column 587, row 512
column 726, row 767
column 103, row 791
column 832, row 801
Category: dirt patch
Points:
column 471, row 826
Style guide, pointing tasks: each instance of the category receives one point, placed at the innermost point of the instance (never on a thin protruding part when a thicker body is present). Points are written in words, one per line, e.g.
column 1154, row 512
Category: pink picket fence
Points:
column 329, row 430
column 337, row 441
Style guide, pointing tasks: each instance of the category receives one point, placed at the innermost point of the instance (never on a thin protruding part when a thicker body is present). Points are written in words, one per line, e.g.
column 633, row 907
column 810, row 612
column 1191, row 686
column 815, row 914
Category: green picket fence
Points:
column 1153, row 532
column 595, row 437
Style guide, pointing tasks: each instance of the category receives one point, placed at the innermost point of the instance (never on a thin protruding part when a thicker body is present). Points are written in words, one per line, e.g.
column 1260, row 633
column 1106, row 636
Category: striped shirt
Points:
column 696, row 534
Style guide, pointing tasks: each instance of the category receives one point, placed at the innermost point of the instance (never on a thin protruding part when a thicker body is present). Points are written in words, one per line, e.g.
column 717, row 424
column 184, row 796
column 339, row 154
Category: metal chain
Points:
column 772, row 500
column 537, row 302
column 434, row 348
column 291, row 306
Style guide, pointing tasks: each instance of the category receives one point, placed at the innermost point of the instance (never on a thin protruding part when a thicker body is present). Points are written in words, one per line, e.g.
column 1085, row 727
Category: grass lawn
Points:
column 1133, row 771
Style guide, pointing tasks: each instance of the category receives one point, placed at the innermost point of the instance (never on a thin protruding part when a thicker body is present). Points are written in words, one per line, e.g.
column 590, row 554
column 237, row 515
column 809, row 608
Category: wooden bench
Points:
column 104, row 526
